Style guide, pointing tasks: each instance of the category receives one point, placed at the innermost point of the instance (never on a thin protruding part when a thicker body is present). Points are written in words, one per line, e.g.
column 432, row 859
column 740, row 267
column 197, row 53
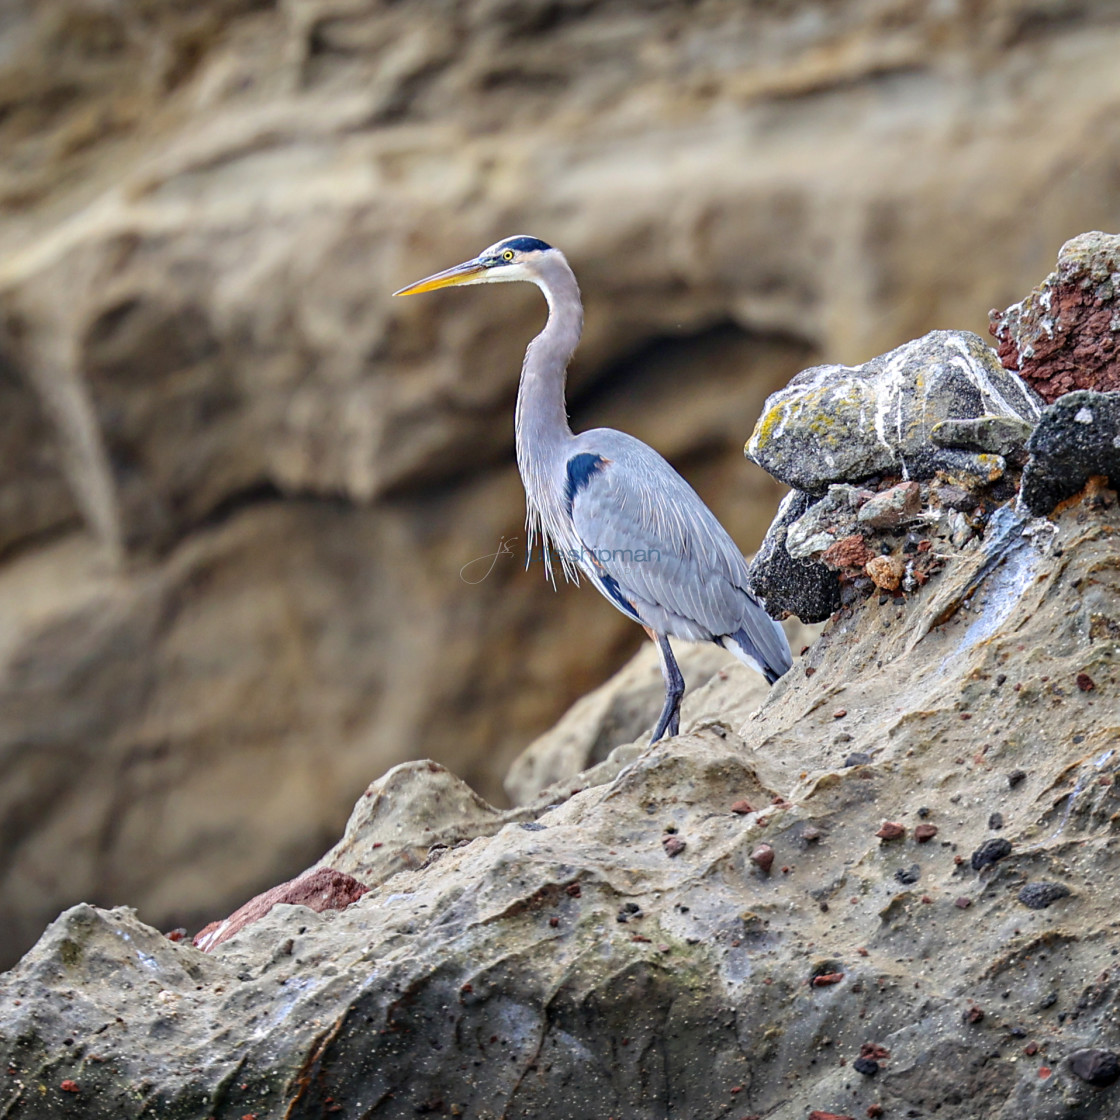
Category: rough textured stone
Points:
column 836, row 424
column 248, row 181
column 803, row 588
column 892, row 507
column 495, row 976
column 1066, row 334
column 1099, row 1067
column 997, row 435
column 1039, row 896
column 1077, row 437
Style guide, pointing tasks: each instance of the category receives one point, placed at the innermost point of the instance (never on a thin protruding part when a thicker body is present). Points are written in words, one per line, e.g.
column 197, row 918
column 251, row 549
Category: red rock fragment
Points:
column 1085, row 682
column 826, row 979
column 924, row 833
column 847, row 554
column 874, row 1111
column 573, row 890
column 1030, row 1049
column 553, row 922
column 1044, row 1072
column 320, row 889
column 69, row 1086
column 176, row 934
column 891, row 830
column 974, row 1015
column 673, row 845
column 1060, row 337
column 816, row 1114
column 963, row 903
column 742, row 808
column 840, row 713
column 874, row 1051
column 763, row 858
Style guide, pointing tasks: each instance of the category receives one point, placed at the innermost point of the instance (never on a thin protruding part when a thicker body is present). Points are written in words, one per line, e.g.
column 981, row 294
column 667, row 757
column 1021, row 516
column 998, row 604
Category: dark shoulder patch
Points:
column 525, row 244
column 581, row 469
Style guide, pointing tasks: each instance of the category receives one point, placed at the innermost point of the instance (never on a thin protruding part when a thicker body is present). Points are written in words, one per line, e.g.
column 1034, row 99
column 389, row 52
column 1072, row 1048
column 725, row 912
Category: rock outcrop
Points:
column 886, row 888
column 727, row 922
column 238, row 484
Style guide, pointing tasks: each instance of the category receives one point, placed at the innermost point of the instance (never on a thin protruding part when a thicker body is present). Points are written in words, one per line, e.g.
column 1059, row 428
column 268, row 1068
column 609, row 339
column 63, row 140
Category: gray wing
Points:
column 647, row 539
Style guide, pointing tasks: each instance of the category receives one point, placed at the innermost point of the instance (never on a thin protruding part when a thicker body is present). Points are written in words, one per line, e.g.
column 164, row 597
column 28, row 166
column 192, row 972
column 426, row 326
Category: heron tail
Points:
column 762, row 645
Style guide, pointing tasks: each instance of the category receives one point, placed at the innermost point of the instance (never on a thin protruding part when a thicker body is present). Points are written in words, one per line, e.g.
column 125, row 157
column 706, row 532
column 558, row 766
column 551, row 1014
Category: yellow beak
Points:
column 461, row 274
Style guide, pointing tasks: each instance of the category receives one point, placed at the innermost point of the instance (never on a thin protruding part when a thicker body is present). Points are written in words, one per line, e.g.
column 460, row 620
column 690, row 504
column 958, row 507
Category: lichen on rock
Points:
column 843, row 424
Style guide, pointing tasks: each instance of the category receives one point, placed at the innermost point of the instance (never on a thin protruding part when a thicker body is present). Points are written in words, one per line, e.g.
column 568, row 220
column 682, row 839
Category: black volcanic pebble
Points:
column 909, row 874
column 995, row 822
column 857, row 758
column 1098, row 1067
column 867, row 1066
column 991, row 851
column 1015, row 777
column 1076, row 437
column 1037, row 896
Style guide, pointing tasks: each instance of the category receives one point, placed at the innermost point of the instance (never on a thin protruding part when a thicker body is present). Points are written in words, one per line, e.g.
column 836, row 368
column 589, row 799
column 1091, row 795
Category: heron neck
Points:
column 542, row 431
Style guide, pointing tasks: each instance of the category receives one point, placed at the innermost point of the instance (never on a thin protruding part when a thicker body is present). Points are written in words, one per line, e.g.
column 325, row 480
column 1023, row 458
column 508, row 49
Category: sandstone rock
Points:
column 1066, row 334
column 1077, row 437
column 835, row 424
column 426, row 972
column 205, row 207
column 607, row 729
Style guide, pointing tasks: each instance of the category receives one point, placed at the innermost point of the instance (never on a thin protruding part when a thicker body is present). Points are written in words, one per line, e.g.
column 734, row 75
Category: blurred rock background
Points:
column 239, row 484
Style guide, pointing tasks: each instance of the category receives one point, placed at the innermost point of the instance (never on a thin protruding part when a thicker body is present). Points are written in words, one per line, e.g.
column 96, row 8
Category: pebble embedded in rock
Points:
column 974, row 1015
column 995, row 822
column 963, row 903
column 1015, row 777
column 991, row 851
column 857, row 758
column 673, row 845
column 886, row 572
column 1085, row 682
column 1038, row 896
column 763, row 857
column 908, row 875
column 867, row 1066
column 1099, row 1067
column 891, row 830
column 891, row 508
column 924, row 833
column 742, row 808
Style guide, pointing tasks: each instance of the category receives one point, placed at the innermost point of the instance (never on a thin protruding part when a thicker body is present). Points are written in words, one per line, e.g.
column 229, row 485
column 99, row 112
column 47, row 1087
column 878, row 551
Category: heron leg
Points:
column 670, row 718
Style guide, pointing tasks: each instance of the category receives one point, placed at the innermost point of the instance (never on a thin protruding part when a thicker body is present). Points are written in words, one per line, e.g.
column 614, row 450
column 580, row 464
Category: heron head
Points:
column 512, row 258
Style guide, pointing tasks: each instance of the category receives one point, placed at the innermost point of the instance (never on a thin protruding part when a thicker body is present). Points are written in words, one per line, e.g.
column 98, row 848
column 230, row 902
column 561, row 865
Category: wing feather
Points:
column 638, row 522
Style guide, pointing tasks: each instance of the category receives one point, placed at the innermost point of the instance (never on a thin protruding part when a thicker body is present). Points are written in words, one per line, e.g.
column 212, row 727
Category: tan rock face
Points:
column 204, row 209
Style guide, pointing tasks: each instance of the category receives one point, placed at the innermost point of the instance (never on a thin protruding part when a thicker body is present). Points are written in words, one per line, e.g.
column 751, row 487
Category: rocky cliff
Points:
column 888, row 890
column 238, row 486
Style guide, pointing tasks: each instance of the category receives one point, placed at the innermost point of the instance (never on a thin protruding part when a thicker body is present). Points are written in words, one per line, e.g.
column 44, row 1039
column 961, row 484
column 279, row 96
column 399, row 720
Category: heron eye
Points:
column 507, row 255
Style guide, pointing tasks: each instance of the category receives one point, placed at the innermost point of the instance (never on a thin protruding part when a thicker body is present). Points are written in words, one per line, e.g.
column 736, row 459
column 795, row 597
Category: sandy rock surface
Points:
column 203, row 210
column 932, row 927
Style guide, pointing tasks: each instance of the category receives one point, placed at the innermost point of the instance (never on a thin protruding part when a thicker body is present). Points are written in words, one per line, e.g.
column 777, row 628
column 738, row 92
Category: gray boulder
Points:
column 836, row 423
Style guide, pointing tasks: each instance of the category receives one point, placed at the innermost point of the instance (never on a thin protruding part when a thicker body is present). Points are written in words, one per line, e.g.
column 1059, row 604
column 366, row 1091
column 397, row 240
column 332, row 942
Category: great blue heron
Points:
column 612, row 507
